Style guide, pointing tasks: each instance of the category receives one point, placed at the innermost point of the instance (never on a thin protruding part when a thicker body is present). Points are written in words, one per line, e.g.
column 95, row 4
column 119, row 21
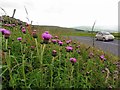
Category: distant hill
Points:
column 98, row 28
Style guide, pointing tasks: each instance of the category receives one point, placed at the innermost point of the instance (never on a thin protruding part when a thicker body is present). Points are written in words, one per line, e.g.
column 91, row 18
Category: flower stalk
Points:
column 51, row 81
column 23, row 69
column 6, row 44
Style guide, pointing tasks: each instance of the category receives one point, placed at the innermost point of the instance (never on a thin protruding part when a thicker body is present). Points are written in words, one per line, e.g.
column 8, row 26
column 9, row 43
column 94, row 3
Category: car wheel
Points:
column 104, row 39
column 112, row 40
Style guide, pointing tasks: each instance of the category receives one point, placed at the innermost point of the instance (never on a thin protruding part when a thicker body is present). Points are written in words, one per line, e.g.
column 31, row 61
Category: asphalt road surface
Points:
column 108, row 46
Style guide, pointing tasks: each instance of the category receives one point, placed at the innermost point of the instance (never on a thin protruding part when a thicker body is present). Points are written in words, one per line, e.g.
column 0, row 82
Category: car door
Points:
column 99, row 35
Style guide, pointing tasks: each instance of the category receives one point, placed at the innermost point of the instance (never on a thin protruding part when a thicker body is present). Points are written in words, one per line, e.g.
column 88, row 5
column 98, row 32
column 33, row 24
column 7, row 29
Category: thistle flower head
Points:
column 60, row 43
column 8, row 25
column 54, row 53
column 2, row 30
column 19, row 38
column 6, row 34
column 54, row 41
column 34, row 34
column 13, row 25
column 68, row 41
column 73, row 60
column 69, row 48
column 102, row 57
column 24, row 30
column 46, row 35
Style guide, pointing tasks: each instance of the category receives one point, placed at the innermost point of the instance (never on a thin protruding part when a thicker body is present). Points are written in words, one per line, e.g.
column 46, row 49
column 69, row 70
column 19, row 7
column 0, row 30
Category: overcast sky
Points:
column 65, row 13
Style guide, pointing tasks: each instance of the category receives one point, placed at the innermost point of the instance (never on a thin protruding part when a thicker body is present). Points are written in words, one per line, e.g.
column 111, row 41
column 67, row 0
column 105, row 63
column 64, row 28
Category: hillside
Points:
column 111, row 29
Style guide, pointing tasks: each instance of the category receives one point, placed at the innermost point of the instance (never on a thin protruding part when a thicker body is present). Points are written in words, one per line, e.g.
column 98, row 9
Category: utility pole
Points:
column 92, row 33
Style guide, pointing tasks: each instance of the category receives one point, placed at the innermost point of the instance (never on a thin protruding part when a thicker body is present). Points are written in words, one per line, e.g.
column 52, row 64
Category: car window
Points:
column 106, row 33
column 99, row 33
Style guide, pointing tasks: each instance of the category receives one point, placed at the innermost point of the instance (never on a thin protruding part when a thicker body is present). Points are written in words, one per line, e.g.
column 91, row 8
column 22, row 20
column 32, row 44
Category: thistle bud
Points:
column 54, row 53
column 34, row 34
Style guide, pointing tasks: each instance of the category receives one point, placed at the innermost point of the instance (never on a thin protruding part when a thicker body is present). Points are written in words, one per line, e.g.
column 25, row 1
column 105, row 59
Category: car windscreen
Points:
column 106, row 33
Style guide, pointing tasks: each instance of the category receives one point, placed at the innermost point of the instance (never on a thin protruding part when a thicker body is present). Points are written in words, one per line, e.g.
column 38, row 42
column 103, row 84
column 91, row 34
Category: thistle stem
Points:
column 23, row 68
column 41, row 62
column 31, row 59
column 6, row 44
column 51, row 81
column 21, row 46
column 59, row 66
column 9, row 66
column 37, row 49
column 71, row 78
column 42, row 54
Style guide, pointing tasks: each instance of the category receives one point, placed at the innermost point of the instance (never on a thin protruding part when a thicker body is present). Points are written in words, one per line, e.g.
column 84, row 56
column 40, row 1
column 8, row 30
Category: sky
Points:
column 64, row 13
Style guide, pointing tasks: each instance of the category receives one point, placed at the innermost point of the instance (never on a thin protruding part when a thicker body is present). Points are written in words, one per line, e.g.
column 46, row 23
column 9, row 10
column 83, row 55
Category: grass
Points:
column 23, row 67
column 117, row 35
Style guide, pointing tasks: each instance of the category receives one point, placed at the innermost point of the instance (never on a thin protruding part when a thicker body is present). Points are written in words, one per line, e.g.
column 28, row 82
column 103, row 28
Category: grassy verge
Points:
column 35, row 62
column 23, row 68
column 88, row 34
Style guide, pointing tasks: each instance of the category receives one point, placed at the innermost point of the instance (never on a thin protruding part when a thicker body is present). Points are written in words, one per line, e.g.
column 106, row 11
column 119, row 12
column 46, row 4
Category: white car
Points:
column 105, row 36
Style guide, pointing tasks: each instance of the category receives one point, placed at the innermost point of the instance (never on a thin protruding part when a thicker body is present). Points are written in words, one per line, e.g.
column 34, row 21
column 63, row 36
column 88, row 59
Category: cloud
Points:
column 64, row 12
column 8, row 4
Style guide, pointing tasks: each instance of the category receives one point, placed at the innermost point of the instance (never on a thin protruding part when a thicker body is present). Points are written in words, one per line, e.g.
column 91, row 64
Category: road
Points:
column 109, row 46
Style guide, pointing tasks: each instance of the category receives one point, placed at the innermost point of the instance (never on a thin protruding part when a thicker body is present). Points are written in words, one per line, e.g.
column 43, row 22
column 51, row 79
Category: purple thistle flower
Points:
column 19, row 38
column 69, row 48
column 60, row 43
column 2, row 30
column 73, row 60
column 54, row 41
column 6, row 34
column 24, row 30
column 54, row 53
column 13, row 25
column 34, row 34
column 8, row 25
column 46, row 35
column 102, row 57
column 69, row 41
